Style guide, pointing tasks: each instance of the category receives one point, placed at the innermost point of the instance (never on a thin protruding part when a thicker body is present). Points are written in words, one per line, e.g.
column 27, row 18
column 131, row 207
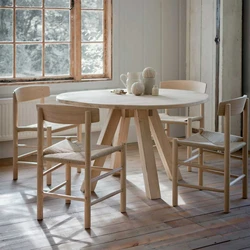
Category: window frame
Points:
column 75, row 74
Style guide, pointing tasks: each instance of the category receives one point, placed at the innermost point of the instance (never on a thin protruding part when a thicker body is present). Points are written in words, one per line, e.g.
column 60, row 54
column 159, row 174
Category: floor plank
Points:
column 197, row 223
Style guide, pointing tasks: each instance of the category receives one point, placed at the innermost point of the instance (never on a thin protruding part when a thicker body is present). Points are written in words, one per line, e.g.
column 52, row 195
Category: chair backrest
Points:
column 184, row 85
column 66, row 114
column 237, row 106
column 29, row 93
column 232, row 107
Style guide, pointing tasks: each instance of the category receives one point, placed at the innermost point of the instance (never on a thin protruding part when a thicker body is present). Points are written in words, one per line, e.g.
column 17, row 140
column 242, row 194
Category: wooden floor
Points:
column 198, row 223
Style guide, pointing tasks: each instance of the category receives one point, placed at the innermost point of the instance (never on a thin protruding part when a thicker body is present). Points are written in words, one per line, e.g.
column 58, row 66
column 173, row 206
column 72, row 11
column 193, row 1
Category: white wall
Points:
column 231, row 56
column 201, row 31
column 145, row 33
column 246, row 51
column 201, row 53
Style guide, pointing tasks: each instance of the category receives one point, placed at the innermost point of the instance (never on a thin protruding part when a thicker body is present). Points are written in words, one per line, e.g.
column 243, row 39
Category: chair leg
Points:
column 200, row 162
column 188, row 134
column 175, row 173
column 48, row 164
column 123, row 180
column 79, row 139
column 68, row 181
column 87, row 204
column 15, row 155
column 226, row 181
column 245, row 172
column 39, row 190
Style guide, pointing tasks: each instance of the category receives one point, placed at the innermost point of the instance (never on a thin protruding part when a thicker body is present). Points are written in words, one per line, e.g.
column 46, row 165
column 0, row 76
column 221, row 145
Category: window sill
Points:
column 21, row 83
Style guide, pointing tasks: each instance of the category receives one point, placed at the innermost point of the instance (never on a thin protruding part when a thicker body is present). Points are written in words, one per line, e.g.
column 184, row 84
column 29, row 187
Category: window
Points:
column 55, row 40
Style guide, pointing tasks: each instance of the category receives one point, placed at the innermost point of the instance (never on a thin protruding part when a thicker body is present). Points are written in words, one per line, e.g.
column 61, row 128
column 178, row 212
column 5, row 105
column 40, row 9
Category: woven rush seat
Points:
column 67, row 151
column 214, row 141
column 176, row 119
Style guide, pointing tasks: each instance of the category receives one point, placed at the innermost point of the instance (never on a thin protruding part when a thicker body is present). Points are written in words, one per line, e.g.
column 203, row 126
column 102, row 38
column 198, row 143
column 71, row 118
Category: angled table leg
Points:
column 162, row 143
column 147, row 154
column 106, row 138
column 121, row 136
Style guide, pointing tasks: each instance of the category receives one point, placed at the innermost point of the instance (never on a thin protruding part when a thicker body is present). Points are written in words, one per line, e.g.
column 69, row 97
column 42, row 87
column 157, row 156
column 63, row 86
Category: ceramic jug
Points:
column 129, row 78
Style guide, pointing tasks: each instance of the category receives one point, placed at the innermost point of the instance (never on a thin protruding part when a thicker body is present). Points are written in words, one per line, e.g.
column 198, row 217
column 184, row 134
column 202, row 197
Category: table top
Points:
column 167, row 98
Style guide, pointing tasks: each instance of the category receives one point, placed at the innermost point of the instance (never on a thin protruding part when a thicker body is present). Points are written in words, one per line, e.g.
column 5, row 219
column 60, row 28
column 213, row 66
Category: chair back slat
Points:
column 29, row 93
column 66, row 114
column 184, row 85
column 237, row 106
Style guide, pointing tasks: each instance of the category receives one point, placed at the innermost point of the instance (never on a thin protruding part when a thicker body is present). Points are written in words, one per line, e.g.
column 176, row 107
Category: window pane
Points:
column 92, row 58
column 29, row 60
column 6, row 25
column 6, row 60
column 92, row 26
column 29, row 25
column 6, row 3
column 57, row 25
column 57, row 59
column 92, row 4
column 28, row 3
column 57, row 3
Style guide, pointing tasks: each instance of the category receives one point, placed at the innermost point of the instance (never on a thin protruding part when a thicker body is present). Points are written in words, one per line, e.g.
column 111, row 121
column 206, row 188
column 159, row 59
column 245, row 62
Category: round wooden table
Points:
column 147, row 122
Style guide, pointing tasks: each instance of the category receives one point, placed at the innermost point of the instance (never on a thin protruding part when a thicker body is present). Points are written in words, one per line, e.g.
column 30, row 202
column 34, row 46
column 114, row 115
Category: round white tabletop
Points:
column 167, row 98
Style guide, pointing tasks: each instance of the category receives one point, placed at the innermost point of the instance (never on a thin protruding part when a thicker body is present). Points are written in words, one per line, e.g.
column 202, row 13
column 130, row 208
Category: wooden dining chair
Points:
column 74, row 154
column 25, row 94
column 219, row 143
column 187, row 119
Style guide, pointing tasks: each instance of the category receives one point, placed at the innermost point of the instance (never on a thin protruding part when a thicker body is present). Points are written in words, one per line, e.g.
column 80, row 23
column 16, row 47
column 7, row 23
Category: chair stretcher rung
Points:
column 105, row 197
column 220, row 153
column 26, row 129
column 106, row 175
column 63, row 196
column 57, row 187
column 201, row 187
column 27, row 163
column 95, row 168
column 56, row 130
column 237, row 179
column 191, row 158
column 26, row 146
column 27, row 154
column 53, row 168
column 220, row 172
column 63, row 136
column 195, row 151
column 195, row 165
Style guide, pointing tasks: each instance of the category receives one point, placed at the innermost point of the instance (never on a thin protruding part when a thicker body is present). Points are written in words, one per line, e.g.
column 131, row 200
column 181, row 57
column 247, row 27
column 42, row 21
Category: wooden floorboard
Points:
column 197, row 223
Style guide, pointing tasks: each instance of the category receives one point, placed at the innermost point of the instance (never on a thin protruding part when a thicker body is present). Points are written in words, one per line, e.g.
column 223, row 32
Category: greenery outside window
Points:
column 54, row 40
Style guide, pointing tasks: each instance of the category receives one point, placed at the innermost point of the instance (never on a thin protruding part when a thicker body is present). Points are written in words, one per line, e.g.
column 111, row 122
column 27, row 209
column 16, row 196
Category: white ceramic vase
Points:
column 129, row 79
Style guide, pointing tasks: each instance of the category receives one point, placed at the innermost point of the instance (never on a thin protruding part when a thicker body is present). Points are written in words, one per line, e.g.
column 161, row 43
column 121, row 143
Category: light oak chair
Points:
column 186, row 120
column 31, row 93
column 75, row 154
column 217, row 142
